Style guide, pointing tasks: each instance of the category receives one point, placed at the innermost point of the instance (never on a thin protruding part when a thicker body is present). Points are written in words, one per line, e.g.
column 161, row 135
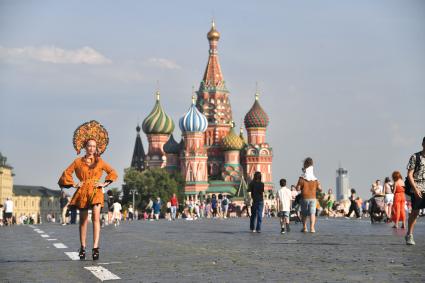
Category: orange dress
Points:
column 399, row 213
column 87, row 195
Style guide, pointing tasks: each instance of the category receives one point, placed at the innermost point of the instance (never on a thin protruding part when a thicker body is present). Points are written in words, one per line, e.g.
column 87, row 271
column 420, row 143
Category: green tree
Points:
column 154, row 182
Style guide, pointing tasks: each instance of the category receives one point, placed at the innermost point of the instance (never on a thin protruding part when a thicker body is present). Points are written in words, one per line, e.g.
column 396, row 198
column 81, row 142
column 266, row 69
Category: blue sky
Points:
column 342, row 81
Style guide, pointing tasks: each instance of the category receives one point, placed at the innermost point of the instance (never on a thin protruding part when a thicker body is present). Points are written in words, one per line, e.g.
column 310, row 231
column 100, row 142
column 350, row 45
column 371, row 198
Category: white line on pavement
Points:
column 40, row 232
column 44, row 235
column 51, row 239
column 60, row 246
column 102, row 273
column 73, row 255
column 106, row 263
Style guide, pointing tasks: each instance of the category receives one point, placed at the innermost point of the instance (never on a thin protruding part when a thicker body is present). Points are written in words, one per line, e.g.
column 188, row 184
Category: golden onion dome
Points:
column 232, row 141
column 213, row 34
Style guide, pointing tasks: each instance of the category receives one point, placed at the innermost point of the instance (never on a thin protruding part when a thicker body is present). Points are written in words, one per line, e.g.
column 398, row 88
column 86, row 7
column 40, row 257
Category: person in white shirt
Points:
column 1, row 215
column 284, row 196
column 116, row 214
column 8, row 211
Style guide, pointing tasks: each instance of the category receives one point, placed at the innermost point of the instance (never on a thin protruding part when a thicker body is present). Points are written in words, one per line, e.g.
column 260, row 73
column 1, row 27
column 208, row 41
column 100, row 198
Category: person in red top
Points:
column 174, row 206
column 398, row 213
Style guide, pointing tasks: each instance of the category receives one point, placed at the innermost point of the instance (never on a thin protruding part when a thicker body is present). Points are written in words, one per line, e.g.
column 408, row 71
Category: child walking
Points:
column 284, row 197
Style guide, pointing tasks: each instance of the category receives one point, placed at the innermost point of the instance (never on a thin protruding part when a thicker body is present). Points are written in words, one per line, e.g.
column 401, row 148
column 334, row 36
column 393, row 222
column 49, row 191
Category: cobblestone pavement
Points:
column 215, row 250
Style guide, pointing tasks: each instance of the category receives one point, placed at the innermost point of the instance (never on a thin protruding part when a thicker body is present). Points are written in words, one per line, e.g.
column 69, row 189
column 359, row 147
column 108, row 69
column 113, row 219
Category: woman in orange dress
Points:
column 399, row 212
column 89, row 170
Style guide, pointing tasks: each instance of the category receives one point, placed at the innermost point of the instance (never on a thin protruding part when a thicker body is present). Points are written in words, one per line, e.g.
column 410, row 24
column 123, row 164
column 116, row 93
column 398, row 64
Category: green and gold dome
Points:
column 158, row 122
column 232, row 141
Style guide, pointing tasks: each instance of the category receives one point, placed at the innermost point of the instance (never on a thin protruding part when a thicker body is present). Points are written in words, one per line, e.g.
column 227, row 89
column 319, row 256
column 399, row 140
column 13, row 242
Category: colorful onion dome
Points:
column 213, row 34
column 171, row 146
column 256, row 117
column 157, row 121
column 232, row 141
column 193, row 120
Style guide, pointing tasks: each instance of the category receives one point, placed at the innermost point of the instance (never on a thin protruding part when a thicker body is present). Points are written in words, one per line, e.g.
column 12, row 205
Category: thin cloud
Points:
column 164, row 63
column 55, row 55
column 398, row 139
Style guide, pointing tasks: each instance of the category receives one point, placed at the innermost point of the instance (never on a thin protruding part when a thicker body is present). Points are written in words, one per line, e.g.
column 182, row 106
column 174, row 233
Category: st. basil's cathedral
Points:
column 211, row 157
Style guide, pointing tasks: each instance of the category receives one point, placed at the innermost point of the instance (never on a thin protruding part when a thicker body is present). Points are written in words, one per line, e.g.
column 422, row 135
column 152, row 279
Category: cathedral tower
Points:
column 194, row 156
column 158, row 126
column 213, row 102
column 138, row 160
column 258, row 155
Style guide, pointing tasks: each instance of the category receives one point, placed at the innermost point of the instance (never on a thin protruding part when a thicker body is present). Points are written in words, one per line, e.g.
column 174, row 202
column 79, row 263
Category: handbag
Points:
column 408, row 187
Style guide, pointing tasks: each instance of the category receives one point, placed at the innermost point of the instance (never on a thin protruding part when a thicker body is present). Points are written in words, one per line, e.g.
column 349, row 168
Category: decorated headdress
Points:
column 92, row 130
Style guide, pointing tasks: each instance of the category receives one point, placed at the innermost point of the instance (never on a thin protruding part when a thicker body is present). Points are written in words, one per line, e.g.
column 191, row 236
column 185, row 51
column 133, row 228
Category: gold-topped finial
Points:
column 257, row 92
column 157, row 94
column 232, row 123
column 213, row 34
column 193, row 95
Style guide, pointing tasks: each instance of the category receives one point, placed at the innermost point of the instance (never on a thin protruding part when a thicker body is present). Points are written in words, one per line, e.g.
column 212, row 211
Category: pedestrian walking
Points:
column 214, row 204
column 1, row 215
column 225, row 206
column 329, row 200
column 256, row 189
column 8, row 211
column 89, row 169
column 308, row 184
column 149, row 208
column 130, row 212
column 110, row 204
column 174, row 206
column 398, row 213
column 116, row 212
column 63, row 201
column 284, row 196
column 416, row 178
column 157, row 208
column 389, row 198
column 353, row 205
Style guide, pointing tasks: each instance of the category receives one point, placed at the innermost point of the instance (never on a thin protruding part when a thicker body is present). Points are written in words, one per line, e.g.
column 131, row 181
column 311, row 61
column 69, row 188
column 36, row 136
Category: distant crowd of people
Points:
column 299, row 203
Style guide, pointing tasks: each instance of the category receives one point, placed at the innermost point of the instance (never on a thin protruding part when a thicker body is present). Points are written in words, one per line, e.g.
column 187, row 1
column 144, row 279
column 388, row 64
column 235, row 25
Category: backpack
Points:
column 408, row 188
column 224, row 202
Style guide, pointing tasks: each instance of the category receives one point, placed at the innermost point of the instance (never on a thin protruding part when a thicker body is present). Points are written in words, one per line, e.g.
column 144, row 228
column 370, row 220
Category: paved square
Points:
column 215, row 250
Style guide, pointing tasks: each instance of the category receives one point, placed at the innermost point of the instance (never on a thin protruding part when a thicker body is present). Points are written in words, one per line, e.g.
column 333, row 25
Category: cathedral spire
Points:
column 213, row 76
column 138, row 160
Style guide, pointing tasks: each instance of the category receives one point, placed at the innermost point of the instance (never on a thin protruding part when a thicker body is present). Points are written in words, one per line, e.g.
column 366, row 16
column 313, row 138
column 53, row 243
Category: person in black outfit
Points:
column 353, row 205
column 256, row 188
column 110, row 205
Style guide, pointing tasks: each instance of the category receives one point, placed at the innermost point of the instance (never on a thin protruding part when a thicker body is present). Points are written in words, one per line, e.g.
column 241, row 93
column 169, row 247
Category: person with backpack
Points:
column 225, row 206
column 415, row 187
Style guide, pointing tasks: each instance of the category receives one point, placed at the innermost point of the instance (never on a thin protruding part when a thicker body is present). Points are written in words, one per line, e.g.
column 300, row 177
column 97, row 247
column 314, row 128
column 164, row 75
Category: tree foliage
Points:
column 154, row 182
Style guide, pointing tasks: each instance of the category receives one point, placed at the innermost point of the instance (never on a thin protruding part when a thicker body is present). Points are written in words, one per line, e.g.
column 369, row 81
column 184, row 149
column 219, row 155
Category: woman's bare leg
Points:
column 96, row 225
column 109, row 217
column 84, row 213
